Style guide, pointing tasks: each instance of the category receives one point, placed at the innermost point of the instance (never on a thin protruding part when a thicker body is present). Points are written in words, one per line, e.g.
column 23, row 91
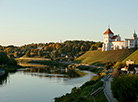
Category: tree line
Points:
column 51, row 50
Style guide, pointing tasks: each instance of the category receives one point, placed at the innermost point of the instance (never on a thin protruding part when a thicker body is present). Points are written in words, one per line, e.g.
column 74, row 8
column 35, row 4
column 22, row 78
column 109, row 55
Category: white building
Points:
column 114, row 42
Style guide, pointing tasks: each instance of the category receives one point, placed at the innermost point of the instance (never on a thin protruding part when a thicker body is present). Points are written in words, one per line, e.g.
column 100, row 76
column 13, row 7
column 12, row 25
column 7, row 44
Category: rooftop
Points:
column 108, row 31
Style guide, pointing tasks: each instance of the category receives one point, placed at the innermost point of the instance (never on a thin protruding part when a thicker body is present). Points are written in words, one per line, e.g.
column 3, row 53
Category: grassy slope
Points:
column 133, row 57
column 83, row 94
column 100, row 58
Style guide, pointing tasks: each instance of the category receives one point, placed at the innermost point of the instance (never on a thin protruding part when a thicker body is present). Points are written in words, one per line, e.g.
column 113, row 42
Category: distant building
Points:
column 114, row 42
column 40, row 48
column 130, row 67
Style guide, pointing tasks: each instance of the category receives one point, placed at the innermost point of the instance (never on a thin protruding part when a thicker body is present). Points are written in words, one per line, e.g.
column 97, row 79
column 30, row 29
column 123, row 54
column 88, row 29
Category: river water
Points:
column 28, row 87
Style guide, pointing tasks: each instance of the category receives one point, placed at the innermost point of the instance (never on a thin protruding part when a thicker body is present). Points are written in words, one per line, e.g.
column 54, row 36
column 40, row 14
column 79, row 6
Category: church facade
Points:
column 114, row 42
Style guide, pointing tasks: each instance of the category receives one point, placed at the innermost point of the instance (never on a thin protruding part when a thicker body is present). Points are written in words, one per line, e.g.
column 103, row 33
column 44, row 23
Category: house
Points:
column 114, row 42
column 40, row 48
column 130, row 67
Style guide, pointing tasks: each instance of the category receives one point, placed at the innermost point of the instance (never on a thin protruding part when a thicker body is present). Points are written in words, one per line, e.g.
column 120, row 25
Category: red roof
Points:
column 114, row 37
column 108, row 31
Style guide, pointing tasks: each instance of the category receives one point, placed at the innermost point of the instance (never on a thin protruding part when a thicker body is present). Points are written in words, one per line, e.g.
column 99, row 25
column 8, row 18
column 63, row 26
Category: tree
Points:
column 54, row 54
column 58, row 45
column 115, row 73
column 35, row 50
column 93, row 47
column 40, row 53
column 3, row 58
column 82, row 48
column 27, row 54
column 99, row 44
column 32, row 50
column 46, row 48
column 125, row 88
column 119, row 65
column 108, row 65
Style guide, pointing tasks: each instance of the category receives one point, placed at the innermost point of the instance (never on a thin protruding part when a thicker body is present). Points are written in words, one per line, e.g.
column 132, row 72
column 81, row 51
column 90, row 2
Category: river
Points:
column 28, row 87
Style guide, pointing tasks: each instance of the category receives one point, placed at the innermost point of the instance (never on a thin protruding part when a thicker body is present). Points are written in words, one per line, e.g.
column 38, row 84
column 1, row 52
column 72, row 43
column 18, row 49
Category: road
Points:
column 108, row 91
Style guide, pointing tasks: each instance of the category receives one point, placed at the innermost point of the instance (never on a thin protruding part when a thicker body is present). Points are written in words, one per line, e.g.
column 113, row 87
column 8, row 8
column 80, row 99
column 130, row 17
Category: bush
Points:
column 115, row 73
column 74, row 90
column 108, row 65
column 3, row 58
column 119, row 65
column 125, row 88
column 88, row 83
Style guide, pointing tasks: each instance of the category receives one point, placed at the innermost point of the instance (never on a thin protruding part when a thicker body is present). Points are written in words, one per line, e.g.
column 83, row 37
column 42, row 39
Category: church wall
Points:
column 118, row 45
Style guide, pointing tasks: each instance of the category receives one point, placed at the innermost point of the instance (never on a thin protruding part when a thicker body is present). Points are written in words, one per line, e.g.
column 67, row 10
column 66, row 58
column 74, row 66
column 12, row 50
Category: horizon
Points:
column 33, row 21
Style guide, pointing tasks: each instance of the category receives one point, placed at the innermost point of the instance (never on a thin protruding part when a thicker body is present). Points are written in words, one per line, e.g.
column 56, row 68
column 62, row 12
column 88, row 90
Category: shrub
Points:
column 125, row 88
column 108, row 65
column 119, row 65
column 115, row 73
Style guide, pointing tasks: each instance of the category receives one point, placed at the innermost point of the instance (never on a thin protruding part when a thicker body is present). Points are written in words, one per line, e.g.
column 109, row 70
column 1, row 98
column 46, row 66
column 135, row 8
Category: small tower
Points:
column 134, row 35
column 107, row 40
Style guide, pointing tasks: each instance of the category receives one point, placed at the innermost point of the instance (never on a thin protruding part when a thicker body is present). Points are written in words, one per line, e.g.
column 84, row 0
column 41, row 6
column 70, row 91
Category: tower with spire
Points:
column 108, row 35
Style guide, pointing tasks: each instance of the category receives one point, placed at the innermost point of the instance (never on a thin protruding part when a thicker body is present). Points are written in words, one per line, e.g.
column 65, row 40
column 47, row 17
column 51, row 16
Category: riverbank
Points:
column 83, row 93
column 51, row 67
column 41, row 62
column 9, row 68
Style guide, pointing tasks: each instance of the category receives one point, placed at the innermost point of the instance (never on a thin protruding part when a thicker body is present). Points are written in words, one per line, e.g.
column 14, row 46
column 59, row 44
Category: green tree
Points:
column 108, row 65
column 54, row 54
column 27, row 54
column 125, row 88
column 3, row 58
column 119, row 65
column 82, row 48
column 40, row 53
column 93, row 47
column 99, row 44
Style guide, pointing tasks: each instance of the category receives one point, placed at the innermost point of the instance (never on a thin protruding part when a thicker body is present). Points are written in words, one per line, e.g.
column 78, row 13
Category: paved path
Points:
column 108, row 91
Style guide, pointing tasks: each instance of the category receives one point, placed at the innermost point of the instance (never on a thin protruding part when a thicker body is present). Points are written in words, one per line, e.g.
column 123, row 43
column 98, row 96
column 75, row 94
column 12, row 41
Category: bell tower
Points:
column 108, row 34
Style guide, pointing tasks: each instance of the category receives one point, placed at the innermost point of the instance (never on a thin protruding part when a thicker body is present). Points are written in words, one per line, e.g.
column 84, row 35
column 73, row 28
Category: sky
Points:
column 41, row 21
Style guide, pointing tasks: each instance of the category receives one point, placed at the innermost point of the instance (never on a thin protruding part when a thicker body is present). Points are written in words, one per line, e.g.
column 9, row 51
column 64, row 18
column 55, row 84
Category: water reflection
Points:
column 3, row 78
column 27, row 87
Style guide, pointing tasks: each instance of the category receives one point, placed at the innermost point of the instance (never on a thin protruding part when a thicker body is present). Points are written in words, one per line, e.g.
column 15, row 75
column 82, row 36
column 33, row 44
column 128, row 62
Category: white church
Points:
column 114, row 42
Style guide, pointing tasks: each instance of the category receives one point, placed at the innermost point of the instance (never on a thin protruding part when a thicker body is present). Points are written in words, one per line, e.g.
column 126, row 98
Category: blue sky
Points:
column 35, row 21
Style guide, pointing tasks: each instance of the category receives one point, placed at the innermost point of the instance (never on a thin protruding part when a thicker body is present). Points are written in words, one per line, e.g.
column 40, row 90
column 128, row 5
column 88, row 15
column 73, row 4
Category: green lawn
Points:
column 133, row 57
column 101, row 58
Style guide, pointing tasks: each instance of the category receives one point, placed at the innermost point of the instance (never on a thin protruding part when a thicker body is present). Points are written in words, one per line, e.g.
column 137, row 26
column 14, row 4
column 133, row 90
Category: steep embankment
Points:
column 133, row 57
column 101, row 58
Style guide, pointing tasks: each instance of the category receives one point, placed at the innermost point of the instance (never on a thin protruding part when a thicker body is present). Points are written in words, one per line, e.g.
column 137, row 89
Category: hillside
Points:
column 100, row 58
column 133, row 57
